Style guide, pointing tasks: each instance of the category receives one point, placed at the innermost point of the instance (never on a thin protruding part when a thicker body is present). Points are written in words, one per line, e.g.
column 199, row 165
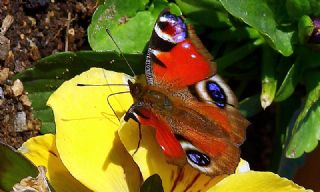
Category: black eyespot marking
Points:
column 198, row 158
column 216, row 93
column 180, row 137
column 157, row 43
column 192, row 89
column 157, row 61
column 162, row 25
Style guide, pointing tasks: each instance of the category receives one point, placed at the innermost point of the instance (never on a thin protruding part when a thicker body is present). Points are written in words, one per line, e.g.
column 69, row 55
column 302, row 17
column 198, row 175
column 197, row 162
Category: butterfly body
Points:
column 192, row 109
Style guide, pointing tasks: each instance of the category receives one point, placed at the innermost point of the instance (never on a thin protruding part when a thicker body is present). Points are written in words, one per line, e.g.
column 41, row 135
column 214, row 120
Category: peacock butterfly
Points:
column 192, row 109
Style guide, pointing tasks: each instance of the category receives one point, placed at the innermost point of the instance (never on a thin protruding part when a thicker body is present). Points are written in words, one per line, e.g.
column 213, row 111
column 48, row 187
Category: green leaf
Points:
column 50, row 72
column 188, row 6
column 209, row 13
column 306, row 131
column 152, row 184
column 306, row 59
column 290, row 81
column 315, row 7
column 261, row 17
column 305, row 28
column 234, row 34
column 237, row 54
column 130, row 25
column 287, row 113
column 209, row 18
column 250, row 106
column 297, row 8
column 121, row 18
column 14, row 167
column 268, row 77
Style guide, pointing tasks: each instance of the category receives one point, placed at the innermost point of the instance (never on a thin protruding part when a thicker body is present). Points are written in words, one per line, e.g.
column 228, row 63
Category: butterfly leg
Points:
column 134, row 113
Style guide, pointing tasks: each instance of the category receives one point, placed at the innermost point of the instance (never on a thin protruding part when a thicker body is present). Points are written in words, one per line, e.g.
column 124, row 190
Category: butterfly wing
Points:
column 174, row 58
column 210, row 135
column 192, row 109
column 189, row 134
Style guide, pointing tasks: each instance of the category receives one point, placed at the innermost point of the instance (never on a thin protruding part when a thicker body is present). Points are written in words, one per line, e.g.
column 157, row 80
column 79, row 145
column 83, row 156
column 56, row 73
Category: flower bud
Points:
column 305, row 29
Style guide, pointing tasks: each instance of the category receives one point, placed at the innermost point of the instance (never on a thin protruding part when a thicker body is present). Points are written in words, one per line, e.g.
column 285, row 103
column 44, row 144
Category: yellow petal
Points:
column 42, row 151
column 151, row 160
column 253, row 181
column 86, row 131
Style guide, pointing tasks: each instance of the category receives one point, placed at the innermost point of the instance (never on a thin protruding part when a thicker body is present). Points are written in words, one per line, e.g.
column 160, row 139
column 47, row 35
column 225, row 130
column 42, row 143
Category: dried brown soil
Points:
column 33, row 29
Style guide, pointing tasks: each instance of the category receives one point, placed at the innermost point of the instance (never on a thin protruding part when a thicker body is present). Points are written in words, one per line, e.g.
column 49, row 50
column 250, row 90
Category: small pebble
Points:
column 4, row 47
column 6, row 23
column 4, row 74
column 4, row 41
column 1, row 93
column 25, row 100
column 33, row 21
column 17, row 88
column 19, row 107
column 22, row 36
column 10, row 58
column 1, row 96
column 20, row 122
column 34, row 52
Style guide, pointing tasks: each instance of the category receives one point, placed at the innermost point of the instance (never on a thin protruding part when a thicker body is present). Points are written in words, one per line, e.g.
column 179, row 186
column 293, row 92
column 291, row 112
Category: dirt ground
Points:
column 32, row 29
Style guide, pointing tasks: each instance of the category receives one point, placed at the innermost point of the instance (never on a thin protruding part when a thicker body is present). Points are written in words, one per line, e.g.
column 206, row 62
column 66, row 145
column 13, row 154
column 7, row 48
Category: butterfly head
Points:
column 136, row 89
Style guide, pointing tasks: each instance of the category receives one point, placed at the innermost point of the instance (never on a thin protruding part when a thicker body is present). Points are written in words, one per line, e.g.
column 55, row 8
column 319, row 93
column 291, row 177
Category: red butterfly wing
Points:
column 176, row 58
column 187, row 132
column 192, row 109
column 164, row 135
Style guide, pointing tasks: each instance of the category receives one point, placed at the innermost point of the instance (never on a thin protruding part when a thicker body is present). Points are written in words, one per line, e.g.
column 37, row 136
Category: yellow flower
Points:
column 93, row 150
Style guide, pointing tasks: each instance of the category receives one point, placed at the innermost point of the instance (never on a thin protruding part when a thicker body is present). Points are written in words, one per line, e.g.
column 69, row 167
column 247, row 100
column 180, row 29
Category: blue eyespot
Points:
column 198, row 158
column 178, row 26
column 216, row 93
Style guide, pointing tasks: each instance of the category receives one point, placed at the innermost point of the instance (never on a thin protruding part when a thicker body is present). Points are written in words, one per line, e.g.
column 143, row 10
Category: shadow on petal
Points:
column 118, row 155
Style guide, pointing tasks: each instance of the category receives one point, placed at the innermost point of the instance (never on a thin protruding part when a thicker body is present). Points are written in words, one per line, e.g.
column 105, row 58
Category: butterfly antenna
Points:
column 83, row 84
column 140, row 137
column 112, row 94
column 109, row 33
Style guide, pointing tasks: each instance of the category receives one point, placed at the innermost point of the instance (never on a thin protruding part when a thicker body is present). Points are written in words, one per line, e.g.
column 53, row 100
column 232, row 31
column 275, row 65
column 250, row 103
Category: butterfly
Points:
column 194, row 112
